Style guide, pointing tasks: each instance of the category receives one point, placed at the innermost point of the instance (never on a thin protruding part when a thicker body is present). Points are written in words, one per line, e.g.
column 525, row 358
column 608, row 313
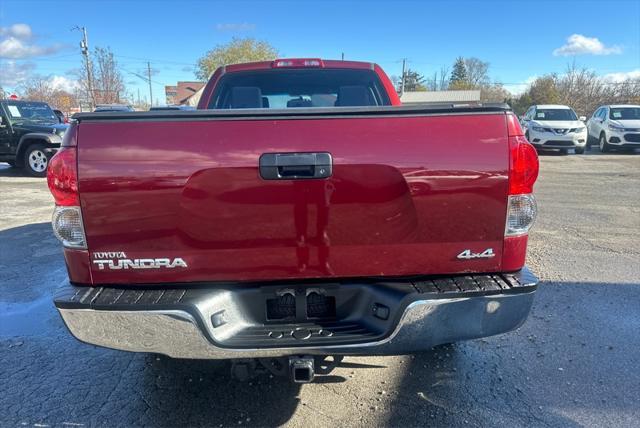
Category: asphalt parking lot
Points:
column 573, row 363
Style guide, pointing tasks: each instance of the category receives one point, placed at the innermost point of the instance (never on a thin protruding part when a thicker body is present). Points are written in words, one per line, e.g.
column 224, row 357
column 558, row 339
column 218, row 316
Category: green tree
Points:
column 236, row 51
column 459, row 78
column 544, row 90
column 414, row 81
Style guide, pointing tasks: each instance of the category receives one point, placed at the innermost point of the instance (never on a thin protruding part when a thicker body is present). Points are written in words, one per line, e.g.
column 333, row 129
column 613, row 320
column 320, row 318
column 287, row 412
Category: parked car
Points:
column 615, row 126
column 30, row 133
column 101, row 108
column 553, row 126
column 172, row 107
column 302, row 213
column 61, row 116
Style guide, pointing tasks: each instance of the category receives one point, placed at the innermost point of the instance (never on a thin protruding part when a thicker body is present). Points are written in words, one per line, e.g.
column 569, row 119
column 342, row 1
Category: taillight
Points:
column 523, row 172
column 524, row 167
column 68, row 228
column 62, row 179
column 521, row 213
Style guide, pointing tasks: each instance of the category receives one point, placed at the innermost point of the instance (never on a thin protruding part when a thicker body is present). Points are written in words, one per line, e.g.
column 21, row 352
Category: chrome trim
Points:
column 424, row 324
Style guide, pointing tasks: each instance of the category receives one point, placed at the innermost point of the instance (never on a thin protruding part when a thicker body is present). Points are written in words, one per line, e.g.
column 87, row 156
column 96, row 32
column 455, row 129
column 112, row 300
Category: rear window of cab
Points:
column 295, row 88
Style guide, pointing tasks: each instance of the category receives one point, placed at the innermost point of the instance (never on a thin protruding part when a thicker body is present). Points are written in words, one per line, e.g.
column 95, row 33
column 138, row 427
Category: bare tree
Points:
column 579, row 88
column 39, row 88
column 439, row 81
column 108, row 84
column 495, row 93
column 477, row 72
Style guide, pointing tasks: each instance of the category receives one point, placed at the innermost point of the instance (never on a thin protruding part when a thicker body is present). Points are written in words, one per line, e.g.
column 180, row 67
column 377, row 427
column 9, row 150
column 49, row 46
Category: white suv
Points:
column 554, row 126
column 615, row 126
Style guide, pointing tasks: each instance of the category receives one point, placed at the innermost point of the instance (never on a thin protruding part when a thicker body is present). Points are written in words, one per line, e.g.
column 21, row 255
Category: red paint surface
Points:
column 407, row 195
column 514, row 252
column 78, row 265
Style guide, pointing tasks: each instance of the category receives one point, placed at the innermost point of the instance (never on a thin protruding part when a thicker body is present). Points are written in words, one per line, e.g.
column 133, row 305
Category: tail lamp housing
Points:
column 62, row 179
column 523, row 172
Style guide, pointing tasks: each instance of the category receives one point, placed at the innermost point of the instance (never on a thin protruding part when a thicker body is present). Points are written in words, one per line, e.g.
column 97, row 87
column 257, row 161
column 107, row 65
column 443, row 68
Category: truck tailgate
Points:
column 408, row 193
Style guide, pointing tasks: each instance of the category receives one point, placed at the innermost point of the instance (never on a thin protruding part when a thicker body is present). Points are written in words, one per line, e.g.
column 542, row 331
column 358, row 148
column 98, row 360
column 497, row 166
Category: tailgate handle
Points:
column 295, row 166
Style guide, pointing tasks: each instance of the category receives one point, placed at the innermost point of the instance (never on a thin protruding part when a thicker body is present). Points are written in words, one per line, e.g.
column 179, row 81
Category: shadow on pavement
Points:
column 573, row 363
column 8, row 171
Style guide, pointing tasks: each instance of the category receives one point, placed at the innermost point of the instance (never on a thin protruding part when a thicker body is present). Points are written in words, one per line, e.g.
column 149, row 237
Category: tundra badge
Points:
column 118, row 260
column 467, row 254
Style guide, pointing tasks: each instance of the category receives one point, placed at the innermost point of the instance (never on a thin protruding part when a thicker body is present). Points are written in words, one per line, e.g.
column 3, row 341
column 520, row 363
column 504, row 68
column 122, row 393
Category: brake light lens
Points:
column 62, row 177
column 297, row 62
column 524, row 167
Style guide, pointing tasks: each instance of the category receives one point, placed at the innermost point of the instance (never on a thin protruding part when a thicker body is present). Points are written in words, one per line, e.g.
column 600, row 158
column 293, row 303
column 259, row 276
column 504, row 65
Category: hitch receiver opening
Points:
column 302, row 369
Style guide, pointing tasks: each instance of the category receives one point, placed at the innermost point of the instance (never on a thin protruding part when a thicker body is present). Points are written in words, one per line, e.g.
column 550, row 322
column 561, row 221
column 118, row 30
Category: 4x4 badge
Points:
column 467, row 254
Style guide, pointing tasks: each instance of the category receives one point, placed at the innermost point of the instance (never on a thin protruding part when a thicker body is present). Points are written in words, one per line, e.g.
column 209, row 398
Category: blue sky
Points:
column 517, row 38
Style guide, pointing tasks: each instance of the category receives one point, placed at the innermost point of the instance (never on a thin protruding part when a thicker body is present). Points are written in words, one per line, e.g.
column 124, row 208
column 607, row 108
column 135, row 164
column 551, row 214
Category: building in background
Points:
column 181, row 92
column 439, row 97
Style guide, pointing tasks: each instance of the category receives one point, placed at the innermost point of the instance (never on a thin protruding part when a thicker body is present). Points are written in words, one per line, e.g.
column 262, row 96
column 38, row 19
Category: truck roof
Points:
column 323, row 63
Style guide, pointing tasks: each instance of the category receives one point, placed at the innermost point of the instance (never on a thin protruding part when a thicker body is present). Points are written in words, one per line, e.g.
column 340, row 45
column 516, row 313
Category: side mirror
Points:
column 582, row 118
column 2, row 124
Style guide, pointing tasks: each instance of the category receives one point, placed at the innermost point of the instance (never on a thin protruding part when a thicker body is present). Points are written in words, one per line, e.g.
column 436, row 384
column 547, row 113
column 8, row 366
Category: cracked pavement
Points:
column 573, row 363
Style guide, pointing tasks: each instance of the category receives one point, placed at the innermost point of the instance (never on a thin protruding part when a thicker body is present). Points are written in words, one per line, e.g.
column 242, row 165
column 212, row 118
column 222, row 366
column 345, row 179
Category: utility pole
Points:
column 149, row 77
column 84, row 47
column 138, row 96
column 404, row 64
column 342, row 56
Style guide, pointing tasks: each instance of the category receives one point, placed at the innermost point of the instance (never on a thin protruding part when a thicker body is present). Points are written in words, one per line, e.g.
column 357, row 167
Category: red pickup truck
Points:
column 301, row 211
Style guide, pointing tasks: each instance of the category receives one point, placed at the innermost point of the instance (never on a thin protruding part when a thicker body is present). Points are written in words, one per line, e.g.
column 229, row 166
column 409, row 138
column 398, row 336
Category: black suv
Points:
column 30, row 133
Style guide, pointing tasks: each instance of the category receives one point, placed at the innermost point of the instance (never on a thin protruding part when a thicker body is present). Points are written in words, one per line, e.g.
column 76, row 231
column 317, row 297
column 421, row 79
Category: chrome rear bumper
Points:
column 426, row 316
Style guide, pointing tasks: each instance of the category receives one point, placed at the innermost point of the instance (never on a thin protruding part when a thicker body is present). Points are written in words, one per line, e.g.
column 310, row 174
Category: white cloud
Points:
column 12, row 74
column 577, row 44
column 19, row 31
column 235, row 26
column 15, row 43
column 622, row 76
column 63, row 83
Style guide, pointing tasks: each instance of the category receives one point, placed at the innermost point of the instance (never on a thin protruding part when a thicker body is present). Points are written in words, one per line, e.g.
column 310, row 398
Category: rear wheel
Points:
column 604, row 146
column 36, row 160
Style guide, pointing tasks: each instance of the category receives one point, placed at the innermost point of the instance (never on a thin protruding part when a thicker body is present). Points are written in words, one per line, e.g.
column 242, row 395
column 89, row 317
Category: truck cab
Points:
column 30, row 134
